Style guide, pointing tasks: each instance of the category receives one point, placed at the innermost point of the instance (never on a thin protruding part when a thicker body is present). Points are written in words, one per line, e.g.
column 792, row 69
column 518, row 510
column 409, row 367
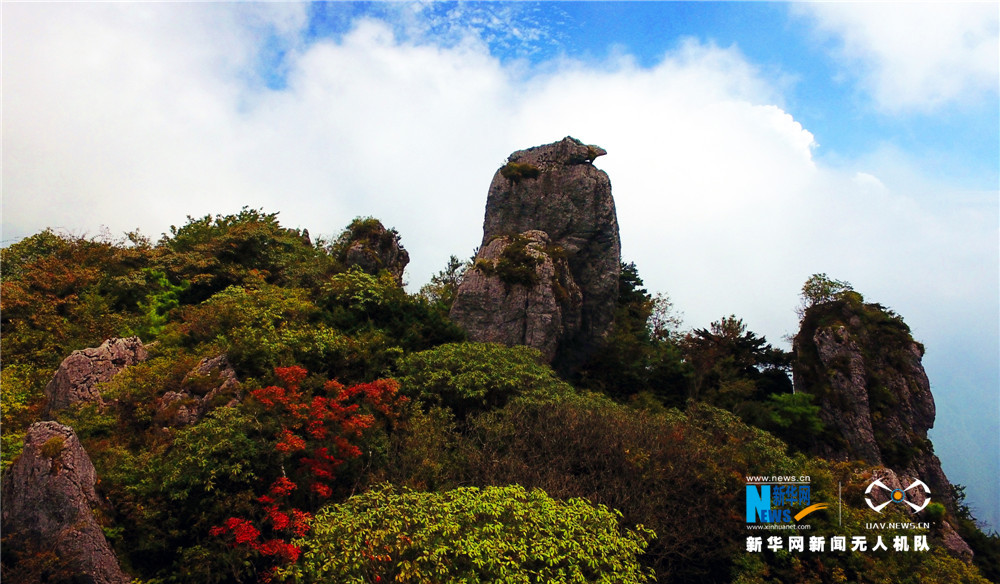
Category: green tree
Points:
column 497, row 534
column 444, row 285
column 641, row 354
column 820, row 289
column 215, row 252
column 794, row 419
column 733, row 365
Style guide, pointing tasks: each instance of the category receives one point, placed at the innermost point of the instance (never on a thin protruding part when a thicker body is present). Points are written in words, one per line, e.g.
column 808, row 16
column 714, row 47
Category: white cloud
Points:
column 916, row 56
column 132, row 115
column 127, row 115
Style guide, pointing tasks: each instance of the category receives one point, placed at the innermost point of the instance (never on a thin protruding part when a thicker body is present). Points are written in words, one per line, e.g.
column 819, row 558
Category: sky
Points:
column 750, row 145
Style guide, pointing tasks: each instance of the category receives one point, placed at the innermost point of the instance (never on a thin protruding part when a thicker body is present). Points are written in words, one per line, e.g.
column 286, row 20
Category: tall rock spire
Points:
column 550, row 214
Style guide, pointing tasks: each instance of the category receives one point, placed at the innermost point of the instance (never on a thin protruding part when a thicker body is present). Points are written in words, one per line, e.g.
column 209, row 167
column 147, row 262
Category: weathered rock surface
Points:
column 373, row 248
column 78, row 375
column 519, row 292
column 845, row 368
column 866, row 373
column 49, row 502
column 555, row 189
column 864, row 369
column 210, row 384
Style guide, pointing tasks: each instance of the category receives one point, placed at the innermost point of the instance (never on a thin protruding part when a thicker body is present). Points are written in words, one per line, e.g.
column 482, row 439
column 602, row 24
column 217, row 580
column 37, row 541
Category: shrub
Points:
column 215, row 252
column 471, row 378
column 516, row 171
column 426, row 450
column 167, row 498
column 357, row 302
column 319, row 433
column 663, row 470
column 53, row 447
column 264, row 326
column 935, row 512
column 59, row 294
column 23, row 396
column 516, row 264
column 496, row 534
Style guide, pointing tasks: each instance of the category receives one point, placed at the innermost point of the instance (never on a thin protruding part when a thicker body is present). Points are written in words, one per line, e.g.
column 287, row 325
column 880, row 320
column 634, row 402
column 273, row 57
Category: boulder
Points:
column 369, row 245
column 78, row 375
column 49, row 506
column 555, row 189
column 211, row 383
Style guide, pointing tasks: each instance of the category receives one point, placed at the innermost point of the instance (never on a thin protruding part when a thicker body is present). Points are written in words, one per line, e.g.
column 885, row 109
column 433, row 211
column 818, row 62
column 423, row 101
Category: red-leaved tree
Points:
column 318, row 435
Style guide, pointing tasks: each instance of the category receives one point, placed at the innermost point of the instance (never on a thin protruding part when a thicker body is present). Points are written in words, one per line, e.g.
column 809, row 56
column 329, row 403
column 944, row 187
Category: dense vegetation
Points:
column 369, row 442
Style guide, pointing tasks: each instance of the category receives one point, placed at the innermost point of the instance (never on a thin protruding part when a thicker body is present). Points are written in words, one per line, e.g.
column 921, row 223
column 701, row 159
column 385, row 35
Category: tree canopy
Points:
column 363, row 439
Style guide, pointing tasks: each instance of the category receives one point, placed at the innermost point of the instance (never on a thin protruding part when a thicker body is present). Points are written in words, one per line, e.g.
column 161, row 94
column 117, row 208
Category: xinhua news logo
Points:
column 779, row 499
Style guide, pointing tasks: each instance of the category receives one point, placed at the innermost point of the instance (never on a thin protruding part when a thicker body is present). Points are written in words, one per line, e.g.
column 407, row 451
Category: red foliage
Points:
column 317, row 431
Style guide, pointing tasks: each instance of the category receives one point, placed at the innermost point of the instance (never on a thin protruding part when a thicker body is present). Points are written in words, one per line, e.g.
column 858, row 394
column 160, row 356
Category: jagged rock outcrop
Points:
column 554, row 189
column 864, row 370
column 520, row 292
column 49, row 507
column 210, row 384
column 78, row 375
column 369, row 245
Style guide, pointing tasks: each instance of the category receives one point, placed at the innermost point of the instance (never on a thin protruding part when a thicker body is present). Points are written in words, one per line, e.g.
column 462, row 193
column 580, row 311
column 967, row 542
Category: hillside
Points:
column 237, row 402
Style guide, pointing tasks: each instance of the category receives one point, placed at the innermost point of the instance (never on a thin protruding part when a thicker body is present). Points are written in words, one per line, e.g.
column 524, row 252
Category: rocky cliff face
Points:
column 78, row 375
column 48, row 509
column 520, row 292
column 864, row 369
column 556, row 190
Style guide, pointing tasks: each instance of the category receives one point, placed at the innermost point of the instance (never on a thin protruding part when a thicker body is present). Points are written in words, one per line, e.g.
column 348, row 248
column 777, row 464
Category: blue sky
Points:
column 750, row 145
